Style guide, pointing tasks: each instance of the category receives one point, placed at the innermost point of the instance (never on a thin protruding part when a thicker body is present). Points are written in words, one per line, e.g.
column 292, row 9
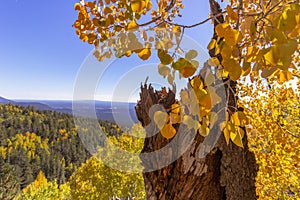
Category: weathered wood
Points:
column 227, row 172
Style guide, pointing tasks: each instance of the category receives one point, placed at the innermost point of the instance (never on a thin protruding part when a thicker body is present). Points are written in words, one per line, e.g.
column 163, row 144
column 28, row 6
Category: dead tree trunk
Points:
column 227, row 172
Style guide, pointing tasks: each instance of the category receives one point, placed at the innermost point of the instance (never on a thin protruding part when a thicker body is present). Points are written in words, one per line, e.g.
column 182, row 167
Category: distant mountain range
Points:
column 116, row 112
column 4, row 101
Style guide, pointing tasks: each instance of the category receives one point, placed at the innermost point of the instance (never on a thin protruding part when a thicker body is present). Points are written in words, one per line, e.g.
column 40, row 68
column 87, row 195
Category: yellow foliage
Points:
column 274, row 129
column 95, row 180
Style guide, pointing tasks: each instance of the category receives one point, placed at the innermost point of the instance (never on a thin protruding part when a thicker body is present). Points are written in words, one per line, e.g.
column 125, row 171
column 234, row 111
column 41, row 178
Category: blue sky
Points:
column 40, row 54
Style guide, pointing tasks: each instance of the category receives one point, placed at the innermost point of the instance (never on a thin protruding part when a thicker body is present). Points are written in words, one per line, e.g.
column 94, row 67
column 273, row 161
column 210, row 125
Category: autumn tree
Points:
column 95, row 180
column 256, row 40
column 40, row 188
column 274, row 137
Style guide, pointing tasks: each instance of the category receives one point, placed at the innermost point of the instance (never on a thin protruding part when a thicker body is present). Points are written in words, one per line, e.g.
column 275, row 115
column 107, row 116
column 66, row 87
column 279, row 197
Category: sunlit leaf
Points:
column 175, row 115
column 236, row 138
column 197, row 82
column 145, row 54
column 232, row 36
column 168, row 131
column 233, row 68
column 138, row 5
column 239, row 118
column 132, row 25
column 212, row 44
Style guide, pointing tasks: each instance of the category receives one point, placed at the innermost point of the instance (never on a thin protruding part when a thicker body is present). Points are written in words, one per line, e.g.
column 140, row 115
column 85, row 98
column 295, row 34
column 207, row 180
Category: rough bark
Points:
column 227, row 172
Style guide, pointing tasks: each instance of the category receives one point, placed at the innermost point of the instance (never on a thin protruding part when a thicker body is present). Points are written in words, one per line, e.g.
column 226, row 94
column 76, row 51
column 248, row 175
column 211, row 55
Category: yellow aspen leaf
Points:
column 223, row 127
column 232, row 36
column 241, row 132
column 138, row 6
column 109, row 20
column 81, row 16
column 176, row 29
column 239, row 119
column 160, row 118
column 231, row 14
column 128, row 53
column 77, row 24
column 175, row 115
column 276, row 35
column 204, row 98
column 145, row 54
column 203, row 111
column 212, row 44
column 233, row 68
column 288, row 48
column 168, row 131
column 235, row 51
column 107, row 1
column 197, row 82
column 284, row 76
column 77, row 6
column 269, row 72
column 235, row 74
column 203, row 130
column 188, row 71
column 185, row 67
column 118, row 28
column 217, row 49
column 226, row 51
column 132, row 25
column 163, row 70
column 271, row 55
column 175, row 108
column 246, row 68
column 221, row 29
column 236, row 137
